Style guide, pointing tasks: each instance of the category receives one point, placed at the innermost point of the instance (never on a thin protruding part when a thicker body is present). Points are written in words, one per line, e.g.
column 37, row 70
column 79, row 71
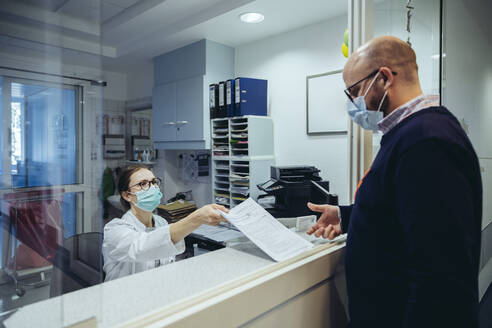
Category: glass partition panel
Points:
column 50, row 205
column 461, row 71
column 390, row 18
column 69, row 70
column 467, row 93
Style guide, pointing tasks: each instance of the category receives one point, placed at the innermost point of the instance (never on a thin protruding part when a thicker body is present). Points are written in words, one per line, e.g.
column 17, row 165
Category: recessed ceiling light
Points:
column 252, row 18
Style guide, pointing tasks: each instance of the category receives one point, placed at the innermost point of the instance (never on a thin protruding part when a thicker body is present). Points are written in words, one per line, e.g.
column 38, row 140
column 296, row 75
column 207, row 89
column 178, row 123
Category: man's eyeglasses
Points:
column 145, row 184
column 348, row 91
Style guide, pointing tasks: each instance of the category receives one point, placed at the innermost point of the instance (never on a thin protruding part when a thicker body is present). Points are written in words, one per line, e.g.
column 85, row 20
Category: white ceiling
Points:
column 126, row 32
column 280, row 16
column 92, row 11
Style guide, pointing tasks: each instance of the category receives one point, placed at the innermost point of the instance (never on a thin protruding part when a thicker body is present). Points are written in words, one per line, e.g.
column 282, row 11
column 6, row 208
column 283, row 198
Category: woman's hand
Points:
column 208, row 214
column 328, row 225
column 205, row 215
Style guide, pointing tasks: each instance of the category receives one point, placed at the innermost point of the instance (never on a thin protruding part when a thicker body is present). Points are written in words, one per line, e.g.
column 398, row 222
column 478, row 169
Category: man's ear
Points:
column 388, row 77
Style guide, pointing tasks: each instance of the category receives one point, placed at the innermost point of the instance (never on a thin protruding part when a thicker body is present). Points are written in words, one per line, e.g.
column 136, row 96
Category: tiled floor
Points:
column 485, row 314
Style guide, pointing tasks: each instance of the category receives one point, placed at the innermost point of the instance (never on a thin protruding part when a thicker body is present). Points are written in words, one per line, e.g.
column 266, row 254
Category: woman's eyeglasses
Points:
column 145, row 184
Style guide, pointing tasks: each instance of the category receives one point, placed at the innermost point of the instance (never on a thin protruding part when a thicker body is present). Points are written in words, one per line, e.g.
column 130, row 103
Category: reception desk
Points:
column 230, row 287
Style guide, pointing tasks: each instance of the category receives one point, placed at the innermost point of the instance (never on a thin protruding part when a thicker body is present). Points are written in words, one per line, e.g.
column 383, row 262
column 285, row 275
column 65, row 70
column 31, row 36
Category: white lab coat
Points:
column 130, row 247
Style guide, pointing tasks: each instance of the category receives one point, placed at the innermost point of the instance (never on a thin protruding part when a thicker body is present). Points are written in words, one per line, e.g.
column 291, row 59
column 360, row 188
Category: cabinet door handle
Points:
column 168, row 123
column 182, row 122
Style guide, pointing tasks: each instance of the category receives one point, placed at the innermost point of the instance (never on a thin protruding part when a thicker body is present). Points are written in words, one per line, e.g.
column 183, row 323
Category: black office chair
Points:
column 77, row 264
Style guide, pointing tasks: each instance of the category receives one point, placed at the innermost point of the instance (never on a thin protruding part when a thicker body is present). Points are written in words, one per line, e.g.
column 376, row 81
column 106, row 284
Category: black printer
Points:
column 293, row 187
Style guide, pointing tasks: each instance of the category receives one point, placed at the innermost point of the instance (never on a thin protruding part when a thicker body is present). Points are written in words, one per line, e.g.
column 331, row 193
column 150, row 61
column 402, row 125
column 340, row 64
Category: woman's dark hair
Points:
column 124, row 181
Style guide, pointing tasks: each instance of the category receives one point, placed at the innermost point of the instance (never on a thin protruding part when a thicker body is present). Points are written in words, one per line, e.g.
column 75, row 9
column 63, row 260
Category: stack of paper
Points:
column 240, row 165
column 176, row 211
column 240, row 190
column 265, row 231
column 239, row 180
column 222, row 200
column 239, row 176
column 218, row 194
column 239, row 135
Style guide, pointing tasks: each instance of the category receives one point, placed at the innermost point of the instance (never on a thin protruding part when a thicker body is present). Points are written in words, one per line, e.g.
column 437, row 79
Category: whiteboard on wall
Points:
column 326, row 104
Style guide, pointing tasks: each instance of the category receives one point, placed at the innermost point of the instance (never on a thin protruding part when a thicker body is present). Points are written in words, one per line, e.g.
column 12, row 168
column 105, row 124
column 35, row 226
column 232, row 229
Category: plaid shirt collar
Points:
column 407, row 109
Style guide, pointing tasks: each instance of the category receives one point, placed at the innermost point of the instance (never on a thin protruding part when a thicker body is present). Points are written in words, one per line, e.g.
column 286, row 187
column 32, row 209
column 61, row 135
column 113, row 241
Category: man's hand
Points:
column 328, row 225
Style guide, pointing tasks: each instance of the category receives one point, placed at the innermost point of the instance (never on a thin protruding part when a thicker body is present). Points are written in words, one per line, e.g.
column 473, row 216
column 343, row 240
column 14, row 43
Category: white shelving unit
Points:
column 242, row 154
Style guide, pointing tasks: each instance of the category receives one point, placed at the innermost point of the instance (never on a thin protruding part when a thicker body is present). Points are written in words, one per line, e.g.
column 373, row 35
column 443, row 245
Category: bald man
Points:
column 413, row 232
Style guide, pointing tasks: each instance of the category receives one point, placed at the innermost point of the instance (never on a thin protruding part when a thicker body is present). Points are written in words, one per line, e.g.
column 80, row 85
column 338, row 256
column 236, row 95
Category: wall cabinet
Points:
column 180, row 111
column 190, row 109
column 164, row 112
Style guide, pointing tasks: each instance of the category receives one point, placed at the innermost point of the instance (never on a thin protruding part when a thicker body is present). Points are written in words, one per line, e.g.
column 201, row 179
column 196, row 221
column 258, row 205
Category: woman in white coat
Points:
column 141, row 240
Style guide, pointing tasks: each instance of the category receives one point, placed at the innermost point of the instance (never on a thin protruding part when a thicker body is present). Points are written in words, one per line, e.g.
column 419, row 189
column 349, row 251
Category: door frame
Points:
column 360, row 27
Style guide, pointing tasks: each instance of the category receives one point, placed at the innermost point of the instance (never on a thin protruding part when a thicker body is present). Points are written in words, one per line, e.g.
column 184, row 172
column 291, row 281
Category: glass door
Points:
column 370, row 19
column 42, row 192
column 43, row 134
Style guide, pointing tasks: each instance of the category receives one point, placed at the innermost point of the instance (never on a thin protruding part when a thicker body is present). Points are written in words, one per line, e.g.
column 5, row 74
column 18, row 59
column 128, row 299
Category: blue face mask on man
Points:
column 149, row 199
column 358, row 112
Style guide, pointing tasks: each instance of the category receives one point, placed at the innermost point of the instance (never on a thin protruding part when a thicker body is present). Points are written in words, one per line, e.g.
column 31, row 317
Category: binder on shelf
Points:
column 250, row 97
column 222, row 110
column 214, row 100
column 230, row 97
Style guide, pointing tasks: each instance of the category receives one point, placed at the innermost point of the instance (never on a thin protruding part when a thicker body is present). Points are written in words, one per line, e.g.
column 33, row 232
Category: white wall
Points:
column 140, row 80
column 168, row 168
column 116, row 88
column 467, row 88
column 285, row 60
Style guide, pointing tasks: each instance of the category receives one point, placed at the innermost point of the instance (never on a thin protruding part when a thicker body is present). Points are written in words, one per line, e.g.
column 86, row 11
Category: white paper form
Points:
column 265, row 231
column 217, row 233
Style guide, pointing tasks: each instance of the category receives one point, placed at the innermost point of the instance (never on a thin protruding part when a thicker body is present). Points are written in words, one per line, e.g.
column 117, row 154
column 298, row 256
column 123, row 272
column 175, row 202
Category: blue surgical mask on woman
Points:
column 149, row 199
column 358, row 112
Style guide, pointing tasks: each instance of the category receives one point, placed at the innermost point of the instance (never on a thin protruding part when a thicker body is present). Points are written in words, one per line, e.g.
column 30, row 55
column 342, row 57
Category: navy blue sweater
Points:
column 413, row 244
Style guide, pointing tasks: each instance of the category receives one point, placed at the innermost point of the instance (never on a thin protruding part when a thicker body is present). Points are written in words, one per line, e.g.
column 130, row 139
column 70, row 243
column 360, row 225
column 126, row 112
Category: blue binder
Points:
column 214, row 100
column 230, row 97
column 250, row 97
column 222, row 111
